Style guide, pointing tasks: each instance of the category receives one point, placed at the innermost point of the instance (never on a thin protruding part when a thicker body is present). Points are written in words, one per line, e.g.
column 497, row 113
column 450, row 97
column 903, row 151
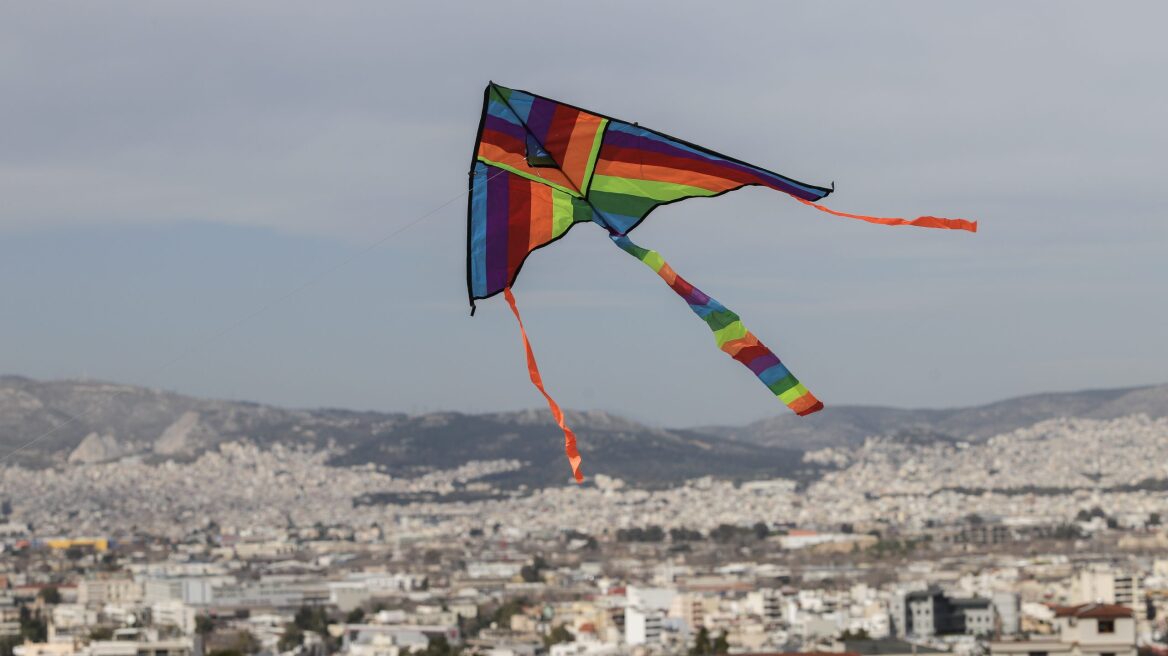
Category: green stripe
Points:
column 795, row 392
column 562, row 214
column 620, row 203
column 720, row 319
column 659, row 191
column 781, row 385
column 654, row 260
column 588, row 168
column 529, row 176
column 731, row 332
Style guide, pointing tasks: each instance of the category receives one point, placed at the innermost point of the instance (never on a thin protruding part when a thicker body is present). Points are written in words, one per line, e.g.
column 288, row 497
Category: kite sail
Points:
column 541, row 166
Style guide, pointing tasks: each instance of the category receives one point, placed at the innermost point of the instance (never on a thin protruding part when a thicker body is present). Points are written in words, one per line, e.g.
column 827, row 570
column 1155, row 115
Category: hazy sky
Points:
column 167, row 169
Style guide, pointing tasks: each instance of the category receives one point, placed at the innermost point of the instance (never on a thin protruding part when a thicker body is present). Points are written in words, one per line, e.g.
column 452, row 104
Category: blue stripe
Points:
column 521, row 103
column 774, row 374
column 499, row 110
column 478, row 231
column 701, row 310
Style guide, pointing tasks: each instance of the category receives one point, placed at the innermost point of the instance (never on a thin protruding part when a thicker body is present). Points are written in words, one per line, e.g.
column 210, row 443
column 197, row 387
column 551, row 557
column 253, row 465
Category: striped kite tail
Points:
column 731, row 336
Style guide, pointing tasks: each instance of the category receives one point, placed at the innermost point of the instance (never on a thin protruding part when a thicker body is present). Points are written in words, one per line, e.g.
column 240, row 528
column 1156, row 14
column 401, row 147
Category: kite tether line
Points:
column 71, row 419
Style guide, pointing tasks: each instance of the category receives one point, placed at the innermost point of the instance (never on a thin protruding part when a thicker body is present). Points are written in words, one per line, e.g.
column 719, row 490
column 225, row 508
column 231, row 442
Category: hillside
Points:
column 849, row 425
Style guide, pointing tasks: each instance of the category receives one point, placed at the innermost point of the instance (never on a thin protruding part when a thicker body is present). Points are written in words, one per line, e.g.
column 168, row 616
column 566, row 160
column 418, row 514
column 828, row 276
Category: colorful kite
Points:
column 541, row 166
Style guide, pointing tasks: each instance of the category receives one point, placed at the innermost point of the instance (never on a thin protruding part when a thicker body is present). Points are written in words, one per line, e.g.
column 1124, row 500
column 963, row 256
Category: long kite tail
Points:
column 731, row 336
column 920, row 221
column 537, row 380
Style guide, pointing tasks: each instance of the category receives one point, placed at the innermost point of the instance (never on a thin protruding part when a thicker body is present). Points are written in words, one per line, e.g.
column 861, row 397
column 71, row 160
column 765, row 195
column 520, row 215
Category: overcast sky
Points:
column 170, row 169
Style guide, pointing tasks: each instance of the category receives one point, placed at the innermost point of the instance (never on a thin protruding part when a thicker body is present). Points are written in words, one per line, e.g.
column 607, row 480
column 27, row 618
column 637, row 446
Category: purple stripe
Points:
column 695, row 297
column 539, row 121
column 762, row 363
column 506, row 127
column 626, row 140
column 498, row 206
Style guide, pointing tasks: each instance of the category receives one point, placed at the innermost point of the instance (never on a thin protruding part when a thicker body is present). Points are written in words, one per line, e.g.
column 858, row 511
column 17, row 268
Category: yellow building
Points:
column 97, row 544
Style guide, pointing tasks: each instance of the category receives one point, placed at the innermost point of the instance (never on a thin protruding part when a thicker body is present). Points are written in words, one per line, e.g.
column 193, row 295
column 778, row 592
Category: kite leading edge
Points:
column 541, row 166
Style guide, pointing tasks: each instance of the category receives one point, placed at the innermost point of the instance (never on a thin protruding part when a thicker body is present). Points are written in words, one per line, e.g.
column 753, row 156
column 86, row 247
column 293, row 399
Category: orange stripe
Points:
column 920, row 221
column 664, row 174
column 496, row 154
column 735, row 345
column 541, row 216
column 537, row 380
column 804, row 403
column 667, row 274
column 580, row 146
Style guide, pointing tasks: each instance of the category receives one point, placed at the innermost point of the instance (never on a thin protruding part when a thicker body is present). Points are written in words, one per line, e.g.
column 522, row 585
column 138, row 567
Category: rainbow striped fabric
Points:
column 541, row 166
column 729, row 333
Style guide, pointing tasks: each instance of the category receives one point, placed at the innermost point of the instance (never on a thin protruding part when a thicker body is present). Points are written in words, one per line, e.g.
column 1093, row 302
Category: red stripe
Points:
column 681, row 286
column 518, row 222
column 504, row 141
column 560, row 131
column 636, row 156
column 748, row 354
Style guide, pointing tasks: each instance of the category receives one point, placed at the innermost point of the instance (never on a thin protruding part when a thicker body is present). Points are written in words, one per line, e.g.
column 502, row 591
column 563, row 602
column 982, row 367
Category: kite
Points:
column 541, row 166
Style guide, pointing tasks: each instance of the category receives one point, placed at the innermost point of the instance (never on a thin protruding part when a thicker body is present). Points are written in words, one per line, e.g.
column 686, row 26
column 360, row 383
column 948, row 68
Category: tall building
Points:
column 1107, row 585
column 931, row 612
column 643, row 625
column 645, row 613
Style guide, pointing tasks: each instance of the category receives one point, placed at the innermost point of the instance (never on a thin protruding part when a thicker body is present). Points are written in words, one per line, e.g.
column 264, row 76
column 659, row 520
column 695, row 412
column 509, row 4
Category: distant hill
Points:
column 849, row 425
column 118, row 421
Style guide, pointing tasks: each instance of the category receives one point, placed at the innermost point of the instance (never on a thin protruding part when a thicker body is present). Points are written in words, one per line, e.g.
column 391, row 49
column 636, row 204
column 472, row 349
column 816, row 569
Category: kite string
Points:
column 71, row 419
column 537, row 380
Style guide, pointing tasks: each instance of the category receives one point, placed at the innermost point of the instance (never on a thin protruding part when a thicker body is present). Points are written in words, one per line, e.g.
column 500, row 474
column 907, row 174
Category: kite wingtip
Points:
column 811, row 410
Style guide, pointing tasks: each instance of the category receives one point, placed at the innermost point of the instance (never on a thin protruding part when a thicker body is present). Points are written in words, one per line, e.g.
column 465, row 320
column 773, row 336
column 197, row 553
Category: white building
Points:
column 643, row 625
column 1105, row 585
column 101, row 591
column 1083, row 630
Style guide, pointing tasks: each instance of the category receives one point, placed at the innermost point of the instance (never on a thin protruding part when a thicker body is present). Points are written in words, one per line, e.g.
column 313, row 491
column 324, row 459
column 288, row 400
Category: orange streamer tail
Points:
column 920, row 221
column 537, row 380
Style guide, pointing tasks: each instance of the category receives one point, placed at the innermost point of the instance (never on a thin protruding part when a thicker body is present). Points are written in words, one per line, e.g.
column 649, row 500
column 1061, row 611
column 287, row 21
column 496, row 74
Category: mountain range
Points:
column 58, row 423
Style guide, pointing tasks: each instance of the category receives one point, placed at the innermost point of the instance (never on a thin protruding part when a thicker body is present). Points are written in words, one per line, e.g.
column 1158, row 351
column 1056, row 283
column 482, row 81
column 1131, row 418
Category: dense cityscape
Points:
column 1046, row 539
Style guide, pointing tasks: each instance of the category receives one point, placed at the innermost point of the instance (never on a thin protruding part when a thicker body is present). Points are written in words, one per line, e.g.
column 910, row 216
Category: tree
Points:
column 101, row 633
column 721, row 645
column 292, row 637
column 32, row 627
column 702, row 646
column 438, row 646
column 860, row 634
column 761, row 530
column 50, row 595
column 204, row 624
column 355, row 616
column 558, row 634
column 312, row 618
column 247, row 643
